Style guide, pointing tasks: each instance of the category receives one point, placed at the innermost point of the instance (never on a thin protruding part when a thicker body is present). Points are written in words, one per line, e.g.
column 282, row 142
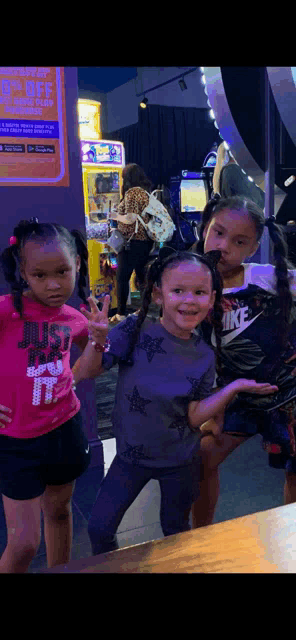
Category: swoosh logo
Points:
column 87, row 450
column 236, row 332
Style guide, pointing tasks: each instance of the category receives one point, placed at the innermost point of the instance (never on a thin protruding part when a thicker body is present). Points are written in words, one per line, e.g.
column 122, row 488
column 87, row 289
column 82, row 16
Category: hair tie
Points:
column 215, row 197
column 212, row 257
column 268, row 220
column 12, row 240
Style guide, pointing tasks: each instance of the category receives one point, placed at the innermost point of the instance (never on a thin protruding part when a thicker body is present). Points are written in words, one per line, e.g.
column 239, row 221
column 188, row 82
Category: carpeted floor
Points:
column 106, row 386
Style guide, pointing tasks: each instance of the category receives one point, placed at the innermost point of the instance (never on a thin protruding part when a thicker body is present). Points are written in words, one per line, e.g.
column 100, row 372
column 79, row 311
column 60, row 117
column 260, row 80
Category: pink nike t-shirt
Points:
column 36, row 378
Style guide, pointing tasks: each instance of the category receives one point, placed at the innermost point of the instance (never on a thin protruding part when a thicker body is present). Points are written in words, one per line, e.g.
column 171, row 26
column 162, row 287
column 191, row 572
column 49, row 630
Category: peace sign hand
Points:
column 98, row 320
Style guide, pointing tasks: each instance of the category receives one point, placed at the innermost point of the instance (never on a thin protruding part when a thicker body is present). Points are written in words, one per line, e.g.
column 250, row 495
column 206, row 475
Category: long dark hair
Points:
column 280, row 248
column 33, row 230
column 134, row 176
column 167, row 259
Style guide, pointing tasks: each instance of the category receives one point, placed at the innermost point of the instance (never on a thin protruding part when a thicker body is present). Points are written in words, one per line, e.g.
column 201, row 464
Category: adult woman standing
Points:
column 135, row 254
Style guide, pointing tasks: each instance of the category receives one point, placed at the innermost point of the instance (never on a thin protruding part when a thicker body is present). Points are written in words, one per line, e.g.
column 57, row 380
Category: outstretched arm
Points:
column 200, row 412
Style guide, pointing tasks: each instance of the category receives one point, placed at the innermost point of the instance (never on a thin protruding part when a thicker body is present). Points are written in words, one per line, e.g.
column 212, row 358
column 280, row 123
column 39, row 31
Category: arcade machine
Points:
column 208, row 168
column 189, row 195
column 102, row 165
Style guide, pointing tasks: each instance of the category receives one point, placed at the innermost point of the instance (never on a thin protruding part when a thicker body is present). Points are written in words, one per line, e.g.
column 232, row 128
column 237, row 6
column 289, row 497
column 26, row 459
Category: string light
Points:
column 211, row 111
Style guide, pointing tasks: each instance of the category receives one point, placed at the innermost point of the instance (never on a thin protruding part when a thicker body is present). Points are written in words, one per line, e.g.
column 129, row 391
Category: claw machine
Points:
column 102, row 165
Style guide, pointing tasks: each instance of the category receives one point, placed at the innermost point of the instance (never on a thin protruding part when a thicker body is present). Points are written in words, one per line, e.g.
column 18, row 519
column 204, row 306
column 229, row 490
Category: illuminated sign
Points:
column 33, row 137
column 107, row 153
column 89, row 119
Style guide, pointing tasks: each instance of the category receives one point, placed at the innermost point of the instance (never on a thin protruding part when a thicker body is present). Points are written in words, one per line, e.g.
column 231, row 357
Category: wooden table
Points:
column 263, row 542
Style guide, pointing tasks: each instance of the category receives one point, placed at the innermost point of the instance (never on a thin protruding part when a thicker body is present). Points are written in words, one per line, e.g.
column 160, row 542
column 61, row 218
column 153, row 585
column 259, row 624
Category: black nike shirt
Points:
column 251, row 338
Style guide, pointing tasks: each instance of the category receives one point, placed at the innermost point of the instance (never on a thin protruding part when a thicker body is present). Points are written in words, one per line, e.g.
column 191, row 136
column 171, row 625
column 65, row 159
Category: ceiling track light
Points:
column 144, row 103
column 182, row 84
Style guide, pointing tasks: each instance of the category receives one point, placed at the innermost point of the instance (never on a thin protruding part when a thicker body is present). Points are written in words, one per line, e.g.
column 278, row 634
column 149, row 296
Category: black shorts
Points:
column 277, row 428
column 56, row 458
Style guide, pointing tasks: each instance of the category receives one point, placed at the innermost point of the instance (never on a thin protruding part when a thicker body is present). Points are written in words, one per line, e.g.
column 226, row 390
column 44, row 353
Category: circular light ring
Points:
column 226, row 124
column 283, row 84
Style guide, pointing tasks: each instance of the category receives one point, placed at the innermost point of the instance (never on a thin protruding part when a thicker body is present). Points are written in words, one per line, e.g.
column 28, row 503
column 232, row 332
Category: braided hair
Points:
column 280, row 249
column 33, row 230
column 169, row 258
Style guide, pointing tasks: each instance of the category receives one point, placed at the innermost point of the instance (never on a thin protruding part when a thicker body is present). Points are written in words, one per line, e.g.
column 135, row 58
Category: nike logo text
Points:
column 232, row 321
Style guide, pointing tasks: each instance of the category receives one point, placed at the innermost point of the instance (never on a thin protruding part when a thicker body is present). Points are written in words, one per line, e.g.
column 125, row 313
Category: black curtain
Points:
column 166, row 140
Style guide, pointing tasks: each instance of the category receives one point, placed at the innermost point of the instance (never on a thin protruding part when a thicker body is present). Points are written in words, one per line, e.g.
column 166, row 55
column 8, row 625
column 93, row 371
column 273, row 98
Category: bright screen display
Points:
column 193, row 195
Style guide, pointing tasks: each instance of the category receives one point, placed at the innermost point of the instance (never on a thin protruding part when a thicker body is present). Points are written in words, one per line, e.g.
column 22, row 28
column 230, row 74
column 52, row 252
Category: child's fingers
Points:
column 105, row 307
column 85, row 313
column 265, row 385
column 265, row 390
column 93, row 305
column 98, row 327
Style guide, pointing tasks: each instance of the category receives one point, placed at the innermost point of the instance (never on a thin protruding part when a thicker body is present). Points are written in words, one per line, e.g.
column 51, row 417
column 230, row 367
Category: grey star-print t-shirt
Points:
column 152, row 396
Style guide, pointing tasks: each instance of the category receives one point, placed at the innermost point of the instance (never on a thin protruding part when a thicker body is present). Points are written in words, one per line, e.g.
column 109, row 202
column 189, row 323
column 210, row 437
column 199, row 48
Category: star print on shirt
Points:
column 195, row 382
column 151, row 346
column 136, row 402
column 129, row 325
column 135, row 453
column 181, row 423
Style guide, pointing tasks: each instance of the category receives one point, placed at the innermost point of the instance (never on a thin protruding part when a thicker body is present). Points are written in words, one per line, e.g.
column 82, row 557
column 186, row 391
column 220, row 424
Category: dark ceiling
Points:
column 104, row 79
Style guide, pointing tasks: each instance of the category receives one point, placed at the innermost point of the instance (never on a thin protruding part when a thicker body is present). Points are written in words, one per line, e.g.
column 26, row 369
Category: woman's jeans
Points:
column 124, row 481
column 128, row 260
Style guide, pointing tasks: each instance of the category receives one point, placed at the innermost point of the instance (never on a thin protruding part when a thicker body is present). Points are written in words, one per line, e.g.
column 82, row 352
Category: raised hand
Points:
column 3, row 417
column 251, row 386
column 98, row 320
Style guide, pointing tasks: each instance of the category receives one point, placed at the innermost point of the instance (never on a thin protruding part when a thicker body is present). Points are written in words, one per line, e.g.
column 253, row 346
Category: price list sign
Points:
column 33, row 134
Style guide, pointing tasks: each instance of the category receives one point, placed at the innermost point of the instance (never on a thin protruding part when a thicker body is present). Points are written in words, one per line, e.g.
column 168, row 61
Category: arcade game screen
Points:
column 193, row 196
column 103, row 193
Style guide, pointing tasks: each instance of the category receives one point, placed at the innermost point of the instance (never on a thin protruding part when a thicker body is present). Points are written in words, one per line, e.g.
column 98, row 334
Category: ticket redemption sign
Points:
column 102, row 165
column 33, row 135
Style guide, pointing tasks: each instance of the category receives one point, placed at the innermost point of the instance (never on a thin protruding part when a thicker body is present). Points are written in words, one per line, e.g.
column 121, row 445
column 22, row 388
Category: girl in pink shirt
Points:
column 43, row 448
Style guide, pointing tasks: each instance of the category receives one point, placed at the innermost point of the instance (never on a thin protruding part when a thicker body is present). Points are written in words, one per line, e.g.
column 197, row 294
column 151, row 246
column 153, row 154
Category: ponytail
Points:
column 198, row 246
column 280, row 253
column 152, row 276
column 82, row 252
column 10, row 266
